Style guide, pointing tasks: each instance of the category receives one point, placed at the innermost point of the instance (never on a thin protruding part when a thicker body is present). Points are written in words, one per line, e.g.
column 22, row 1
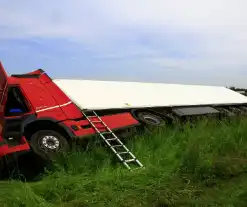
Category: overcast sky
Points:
column 173, row 41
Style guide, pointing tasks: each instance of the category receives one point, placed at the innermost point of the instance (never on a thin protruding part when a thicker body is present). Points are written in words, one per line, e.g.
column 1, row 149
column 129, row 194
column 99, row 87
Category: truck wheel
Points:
column 47, row 143
column 149, row 118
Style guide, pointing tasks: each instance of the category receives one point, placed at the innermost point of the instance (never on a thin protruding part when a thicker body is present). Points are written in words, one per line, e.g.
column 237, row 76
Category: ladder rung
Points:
column 121, row 153
column 131, row 160
column 96, row 121
column 111, row 139
column 92, row 117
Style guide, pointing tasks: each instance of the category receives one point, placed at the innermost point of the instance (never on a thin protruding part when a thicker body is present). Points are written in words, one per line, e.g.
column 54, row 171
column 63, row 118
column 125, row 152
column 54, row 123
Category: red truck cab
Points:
column 36, row 114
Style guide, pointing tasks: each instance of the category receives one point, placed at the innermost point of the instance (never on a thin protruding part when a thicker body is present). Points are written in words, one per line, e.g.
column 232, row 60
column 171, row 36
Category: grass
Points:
column 203, row 165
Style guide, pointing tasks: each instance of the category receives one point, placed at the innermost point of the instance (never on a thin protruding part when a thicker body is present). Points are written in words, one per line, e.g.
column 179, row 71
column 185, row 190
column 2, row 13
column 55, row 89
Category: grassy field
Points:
column 203, row 165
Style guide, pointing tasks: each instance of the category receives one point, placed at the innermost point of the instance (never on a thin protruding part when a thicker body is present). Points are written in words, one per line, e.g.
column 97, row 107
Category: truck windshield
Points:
column 15, row 104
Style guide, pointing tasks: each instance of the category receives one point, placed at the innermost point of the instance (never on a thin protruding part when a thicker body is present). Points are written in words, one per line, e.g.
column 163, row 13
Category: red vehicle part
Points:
column 116, row 121
column 47, row 110
column 4, row 147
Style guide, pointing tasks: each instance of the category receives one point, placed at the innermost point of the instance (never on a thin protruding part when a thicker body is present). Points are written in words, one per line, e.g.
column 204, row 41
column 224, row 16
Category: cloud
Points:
column 196, row 37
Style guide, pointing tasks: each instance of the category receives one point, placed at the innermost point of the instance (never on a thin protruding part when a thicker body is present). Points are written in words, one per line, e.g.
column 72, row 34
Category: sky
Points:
column 171, row 41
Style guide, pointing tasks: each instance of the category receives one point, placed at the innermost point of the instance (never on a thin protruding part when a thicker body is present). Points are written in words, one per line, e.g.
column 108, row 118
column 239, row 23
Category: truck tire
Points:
column 149, row 118
column 47, row 143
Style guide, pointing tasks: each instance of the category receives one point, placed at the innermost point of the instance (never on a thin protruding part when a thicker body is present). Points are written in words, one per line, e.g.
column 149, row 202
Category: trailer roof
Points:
column 93, row 94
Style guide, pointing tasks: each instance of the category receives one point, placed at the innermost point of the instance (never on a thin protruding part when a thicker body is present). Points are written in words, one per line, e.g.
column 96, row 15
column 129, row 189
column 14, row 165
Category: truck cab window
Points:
column 16, row 104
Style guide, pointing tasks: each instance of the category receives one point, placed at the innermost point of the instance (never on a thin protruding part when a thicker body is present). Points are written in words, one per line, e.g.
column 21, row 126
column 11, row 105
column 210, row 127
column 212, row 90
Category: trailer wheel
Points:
column 47, row 143
column 149, row 118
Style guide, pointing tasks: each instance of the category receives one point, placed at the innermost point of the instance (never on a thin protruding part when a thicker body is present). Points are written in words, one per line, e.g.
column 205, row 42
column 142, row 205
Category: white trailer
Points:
column 156, row 97
column 98, row 95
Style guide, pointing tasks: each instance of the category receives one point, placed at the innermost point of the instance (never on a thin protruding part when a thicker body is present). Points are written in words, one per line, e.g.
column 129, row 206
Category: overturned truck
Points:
column 45, row 115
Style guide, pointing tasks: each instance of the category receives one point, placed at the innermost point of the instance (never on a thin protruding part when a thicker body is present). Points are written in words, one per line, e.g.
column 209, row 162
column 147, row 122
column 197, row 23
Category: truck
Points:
column 46, row 115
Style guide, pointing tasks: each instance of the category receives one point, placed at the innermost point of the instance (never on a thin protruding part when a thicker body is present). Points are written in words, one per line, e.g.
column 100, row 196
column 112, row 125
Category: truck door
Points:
column 3, row 97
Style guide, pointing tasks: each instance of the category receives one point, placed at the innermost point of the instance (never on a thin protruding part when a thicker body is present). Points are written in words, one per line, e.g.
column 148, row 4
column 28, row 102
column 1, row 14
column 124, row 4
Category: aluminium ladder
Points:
column 116, row 148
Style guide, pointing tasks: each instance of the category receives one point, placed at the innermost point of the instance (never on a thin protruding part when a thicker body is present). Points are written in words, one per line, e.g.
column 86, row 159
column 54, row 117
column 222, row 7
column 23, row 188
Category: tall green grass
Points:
column 199, row 165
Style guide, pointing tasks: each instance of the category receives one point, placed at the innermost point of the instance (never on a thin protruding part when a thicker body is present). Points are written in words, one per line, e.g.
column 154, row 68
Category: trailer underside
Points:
column 157, row 115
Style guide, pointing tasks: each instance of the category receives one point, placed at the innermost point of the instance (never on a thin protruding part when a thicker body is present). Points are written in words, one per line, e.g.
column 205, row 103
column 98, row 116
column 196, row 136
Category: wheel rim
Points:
column 49, row 143
column 151, row 119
